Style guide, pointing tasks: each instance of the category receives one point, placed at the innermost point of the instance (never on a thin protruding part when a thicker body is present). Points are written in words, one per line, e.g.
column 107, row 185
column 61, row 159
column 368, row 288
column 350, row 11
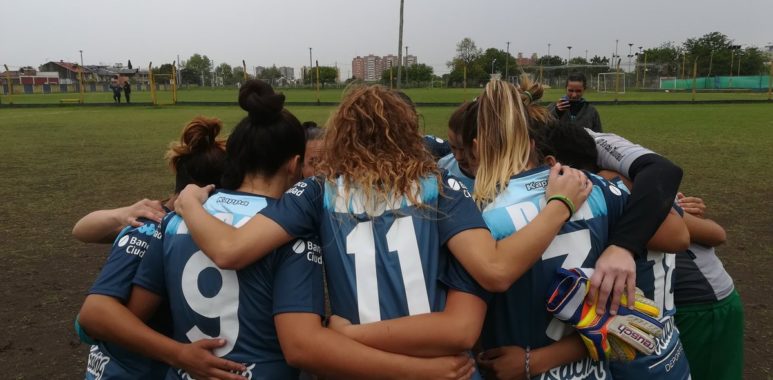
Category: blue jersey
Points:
column 108, row 360
column 518, row 316
column 384, row 263
column 449, row 163
column 238, row 306
column 437, row 146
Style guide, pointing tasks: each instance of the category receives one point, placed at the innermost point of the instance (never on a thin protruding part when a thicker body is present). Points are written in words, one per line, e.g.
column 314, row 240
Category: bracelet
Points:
column 526, row 367
column 566, row 201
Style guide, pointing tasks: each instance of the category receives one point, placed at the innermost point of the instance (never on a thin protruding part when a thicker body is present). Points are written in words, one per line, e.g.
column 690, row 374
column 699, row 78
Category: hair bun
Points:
column 260, row 101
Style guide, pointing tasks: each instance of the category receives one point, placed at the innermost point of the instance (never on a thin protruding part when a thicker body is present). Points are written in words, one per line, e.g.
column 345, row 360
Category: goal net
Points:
column 608, row 82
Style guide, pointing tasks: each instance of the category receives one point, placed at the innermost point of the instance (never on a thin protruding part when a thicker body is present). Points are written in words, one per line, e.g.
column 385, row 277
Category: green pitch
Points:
column 419, row 95
column 60, row 163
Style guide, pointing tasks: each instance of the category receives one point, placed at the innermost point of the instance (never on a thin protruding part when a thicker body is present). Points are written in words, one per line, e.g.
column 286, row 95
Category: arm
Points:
column 308, row 345
column 508, row 362
column 449, row 332
column 655, row 183
column 495, row 265
column 672, row 235
column 228, row 247
column 103, row 226
column 106, row 319
column 705, row 231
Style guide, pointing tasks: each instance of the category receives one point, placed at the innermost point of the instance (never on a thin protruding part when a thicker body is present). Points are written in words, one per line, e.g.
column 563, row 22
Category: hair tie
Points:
column 528, row 95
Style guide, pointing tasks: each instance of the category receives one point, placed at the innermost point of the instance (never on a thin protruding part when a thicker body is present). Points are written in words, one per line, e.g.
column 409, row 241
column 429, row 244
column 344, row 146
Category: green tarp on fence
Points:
column 756, row 82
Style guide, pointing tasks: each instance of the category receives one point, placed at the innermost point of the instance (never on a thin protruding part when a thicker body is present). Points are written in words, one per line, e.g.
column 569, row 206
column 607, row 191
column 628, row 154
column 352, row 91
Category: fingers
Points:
column 630, row 286
column 607, row 284
column 468, row 370
column 491, row 354
column 617, row 291
column 595, row 284
column 210, row 344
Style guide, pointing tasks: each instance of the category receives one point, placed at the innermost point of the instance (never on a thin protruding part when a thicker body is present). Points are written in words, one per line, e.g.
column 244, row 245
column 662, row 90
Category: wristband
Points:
column 566, row 201
column 526, row 366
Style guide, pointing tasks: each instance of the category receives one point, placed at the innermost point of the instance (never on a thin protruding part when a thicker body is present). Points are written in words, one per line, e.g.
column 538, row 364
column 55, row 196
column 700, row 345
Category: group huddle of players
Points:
column 524, row 246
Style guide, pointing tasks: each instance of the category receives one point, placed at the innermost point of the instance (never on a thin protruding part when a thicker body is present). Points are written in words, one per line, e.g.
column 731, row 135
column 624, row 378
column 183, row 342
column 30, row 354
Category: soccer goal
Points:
column 605, row 82
column 668, row 83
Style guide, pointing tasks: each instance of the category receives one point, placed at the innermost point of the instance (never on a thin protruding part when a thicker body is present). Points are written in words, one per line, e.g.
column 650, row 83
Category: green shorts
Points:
column 712, row 336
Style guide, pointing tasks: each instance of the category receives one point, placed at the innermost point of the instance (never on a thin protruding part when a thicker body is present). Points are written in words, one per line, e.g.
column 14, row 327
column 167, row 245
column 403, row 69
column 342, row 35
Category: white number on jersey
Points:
column 224, row 305
column 662, row 269
column 401, row 237
column 575, row 245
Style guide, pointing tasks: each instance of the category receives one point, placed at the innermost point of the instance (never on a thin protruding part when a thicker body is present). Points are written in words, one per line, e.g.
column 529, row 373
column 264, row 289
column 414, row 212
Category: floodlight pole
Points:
column 310, row 67
column 548, row 49
column 569, row 57
column 400, row 48
column 507, row 61
column 81, row 51
column 492, row 65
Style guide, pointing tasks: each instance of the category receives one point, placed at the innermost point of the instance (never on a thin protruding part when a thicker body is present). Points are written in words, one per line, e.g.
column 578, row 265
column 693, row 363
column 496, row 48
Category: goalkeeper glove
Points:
column 607, row 337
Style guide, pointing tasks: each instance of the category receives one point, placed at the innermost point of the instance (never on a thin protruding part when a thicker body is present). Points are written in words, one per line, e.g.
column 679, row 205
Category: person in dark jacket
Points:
column 116, row 87
column 573, row 109
column 127, row 90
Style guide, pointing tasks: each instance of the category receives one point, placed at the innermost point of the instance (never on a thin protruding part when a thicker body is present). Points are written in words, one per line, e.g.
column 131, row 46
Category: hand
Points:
column 447, row 367
column 198, row 361
column 615, row 272
column 503, row 363
column 569, row 182
column 145, row 208
column 338, row 324
column 691, row 205
column 192, row 193
column 606, row 336
column 562, row 104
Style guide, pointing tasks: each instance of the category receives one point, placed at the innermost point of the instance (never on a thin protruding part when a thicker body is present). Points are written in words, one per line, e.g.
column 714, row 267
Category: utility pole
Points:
column 406, row 65
column 507, row 61
column 308, row 72
column 81, row 51
column 400, row 48
column 548, row 49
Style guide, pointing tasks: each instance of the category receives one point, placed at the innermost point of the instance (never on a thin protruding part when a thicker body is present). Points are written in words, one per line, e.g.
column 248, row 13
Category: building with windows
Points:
column 371, row 67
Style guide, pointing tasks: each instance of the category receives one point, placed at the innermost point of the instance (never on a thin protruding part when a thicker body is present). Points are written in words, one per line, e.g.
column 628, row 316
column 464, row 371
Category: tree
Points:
column 200, row 67
column 714, row 52
column 327, row 74
column 550, row 60
column 752, row 62
column 466, row 55
column 414, row 73
column 498, row 57
column 238, row 75
column 664, row 60
column 225, row 72
column 163, row 73
column 269, row 74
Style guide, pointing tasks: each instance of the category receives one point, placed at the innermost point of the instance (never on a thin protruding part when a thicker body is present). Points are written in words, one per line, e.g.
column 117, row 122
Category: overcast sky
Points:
column 281, row 31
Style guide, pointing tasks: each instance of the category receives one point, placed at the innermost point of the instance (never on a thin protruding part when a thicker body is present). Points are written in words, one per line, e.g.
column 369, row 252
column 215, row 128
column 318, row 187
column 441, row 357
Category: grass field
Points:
column 419, row 95
column 61, row 163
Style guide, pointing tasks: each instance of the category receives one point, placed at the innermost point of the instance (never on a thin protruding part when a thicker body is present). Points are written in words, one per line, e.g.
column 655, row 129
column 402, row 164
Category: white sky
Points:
column 281, row 31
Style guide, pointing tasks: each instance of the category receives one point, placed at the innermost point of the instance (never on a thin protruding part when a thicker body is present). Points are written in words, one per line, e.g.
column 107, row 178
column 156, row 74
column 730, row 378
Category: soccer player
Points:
column 572, row 108
column 314, row 140
column 267, row 313
column 386, row 219
column 654, row 272
column 456, row 162
column 197, row 158
column 709, row 313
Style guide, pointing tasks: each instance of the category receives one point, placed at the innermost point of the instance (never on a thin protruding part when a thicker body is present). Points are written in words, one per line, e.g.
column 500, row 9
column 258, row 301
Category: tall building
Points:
column 368, row 68
column 371, row 67
column 287, row 72
column 409, row 60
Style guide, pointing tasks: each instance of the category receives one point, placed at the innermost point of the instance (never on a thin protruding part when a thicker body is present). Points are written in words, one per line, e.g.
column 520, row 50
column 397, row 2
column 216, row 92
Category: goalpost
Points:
column 605, row 82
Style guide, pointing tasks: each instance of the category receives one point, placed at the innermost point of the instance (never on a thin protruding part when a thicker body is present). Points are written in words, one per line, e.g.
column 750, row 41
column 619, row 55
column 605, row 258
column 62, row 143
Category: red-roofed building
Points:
column 67, row 71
